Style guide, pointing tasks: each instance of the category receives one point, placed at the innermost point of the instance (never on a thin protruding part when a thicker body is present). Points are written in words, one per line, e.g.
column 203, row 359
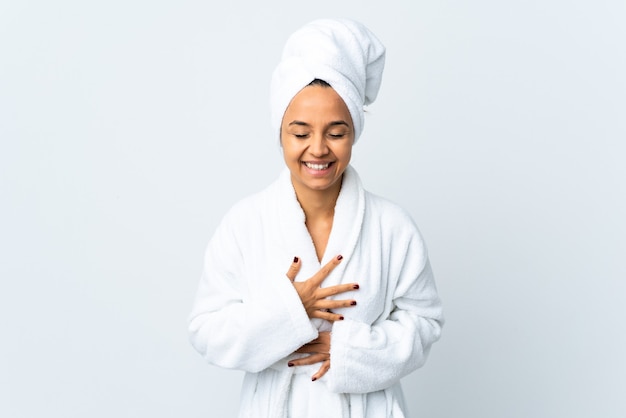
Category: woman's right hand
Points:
column 314, row 297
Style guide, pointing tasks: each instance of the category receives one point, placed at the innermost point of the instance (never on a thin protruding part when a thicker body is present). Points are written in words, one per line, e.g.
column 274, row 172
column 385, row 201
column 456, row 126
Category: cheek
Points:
column 345, row 153
column 290, row 152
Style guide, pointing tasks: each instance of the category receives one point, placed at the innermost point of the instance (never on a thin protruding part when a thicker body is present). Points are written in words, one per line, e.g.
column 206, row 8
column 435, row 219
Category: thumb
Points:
column 293, row 269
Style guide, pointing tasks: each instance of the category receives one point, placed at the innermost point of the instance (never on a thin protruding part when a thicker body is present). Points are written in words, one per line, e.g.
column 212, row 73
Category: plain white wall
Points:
column 128, row 128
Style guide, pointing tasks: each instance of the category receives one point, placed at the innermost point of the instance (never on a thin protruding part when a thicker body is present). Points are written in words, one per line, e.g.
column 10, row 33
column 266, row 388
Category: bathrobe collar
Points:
column 347, row 222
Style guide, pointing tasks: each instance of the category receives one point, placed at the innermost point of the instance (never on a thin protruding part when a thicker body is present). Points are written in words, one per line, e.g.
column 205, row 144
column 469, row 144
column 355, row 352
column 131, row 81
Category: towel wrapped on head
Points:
column 341, row 52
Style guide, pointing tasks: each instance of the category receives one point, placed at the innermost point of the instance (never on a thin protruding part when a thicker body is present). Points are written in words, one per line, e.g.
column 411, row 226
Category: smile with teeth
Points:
column 314, row 166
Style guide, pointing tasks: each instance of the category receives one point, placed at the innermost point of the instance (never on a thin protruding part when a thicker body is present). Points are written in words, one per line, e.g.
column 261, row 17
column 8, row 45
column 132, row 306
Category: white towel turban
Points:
column 342, row 52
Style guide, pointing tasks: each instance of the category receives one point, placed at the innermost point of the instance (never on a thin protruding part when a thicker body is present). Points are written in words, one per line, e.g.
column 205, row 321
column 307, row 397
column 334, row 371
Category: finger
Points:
column 319, row 345
column 325, row 292
column 314, row 348
column 329, row 316
column 294, row 269
column 334, row 304
column 312, row 359
column 319, row 277
column 323, row 338
column 322, row 371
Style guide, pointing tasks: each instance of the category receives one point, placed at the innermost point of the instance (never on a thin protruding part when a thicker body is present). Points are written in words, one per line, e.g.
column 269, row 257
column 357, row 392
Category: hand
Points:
column 320, row 352
column 313, row 296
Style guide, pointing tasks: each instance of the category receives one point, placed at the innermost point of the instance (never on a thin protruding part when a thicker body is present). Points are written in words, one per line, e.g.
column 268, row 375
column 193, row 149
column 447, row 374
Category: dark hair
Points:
column 318, row 82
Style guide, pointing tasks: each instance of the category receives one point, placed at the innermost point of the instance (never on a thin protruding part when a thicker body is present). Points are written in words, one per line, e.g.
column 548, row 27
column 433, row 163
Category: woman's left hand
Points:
column 319, row 349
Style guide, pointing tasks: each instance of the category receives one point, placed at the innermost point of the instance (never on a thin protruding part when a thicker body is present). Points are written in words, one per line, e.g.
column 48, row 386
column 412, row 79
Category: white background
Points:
column 128, row 128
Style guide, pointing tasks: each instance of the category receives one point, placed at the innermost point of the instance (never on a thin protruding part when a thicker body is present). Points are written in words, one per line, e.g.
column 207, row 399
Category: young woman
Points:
column 321, row 291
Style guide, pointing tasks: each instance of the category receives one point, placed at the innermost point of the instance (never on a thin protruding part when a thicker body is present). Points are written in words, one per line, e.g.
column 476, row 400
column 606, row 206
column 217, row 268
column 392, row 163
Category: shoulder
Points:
column 387, row 211
column 398, row 233
column 395, row 222
column 247, row 210
column 256, row 208
column 239, row 224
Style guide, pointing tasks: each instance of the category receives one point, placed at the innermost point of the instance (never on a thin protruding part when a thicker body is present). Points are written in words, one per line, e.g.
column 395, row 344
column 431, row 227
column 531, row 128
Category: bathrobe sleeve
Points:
column 367, row 358
column 234, row 326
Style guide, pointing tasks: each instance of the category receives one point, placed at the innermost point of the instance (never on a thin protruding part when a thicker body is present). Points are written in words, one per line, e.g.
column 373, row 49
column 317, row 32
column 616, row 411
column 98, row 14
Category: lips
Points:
column 319, row 166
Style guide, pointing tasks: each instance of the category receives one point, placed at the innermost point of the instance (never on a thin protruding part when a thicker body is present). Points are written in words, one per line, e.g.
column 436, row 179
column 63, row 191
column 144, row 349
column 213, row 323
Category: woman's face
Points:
column 317, row 137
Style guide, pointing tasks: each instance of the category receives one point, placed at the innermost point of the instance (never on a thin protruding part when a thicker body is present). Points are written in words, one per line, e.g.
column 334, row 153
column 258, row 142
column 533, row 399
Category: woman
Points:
column 358, row 309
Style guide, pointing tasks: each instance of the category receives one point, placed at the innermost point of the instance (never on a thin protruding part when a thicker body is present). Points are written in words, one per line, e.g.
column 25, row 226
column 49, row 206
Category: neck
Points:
column 318, row 204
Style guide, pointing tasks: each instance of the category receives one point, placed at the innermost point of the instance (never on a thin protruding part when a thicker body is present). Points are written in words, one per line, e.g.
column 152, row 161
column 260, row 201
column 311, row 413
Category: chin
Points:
column 321, row 186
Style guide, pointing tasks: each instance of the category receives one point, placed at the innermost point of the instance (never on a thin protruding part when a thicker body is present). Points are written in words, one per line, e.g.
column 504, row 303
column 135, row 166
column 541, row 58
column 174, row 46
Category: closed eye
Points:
column 337, row 136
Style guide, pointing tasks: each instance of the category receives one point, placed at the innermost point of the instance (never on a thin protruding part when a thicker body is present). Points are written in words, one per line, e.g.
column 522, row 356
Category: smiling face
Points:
column 317, row 137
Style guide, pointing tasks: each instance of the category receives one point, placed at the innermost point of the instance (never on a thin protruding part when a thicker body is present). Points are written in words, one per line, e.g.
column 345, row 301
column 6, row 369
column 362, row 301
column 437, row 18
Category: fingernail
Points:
column 356, row 286
column 339, row 257
column 290, row 364
column 353, row 303
column 295, row 259
column 341, row 318
column 314, row 379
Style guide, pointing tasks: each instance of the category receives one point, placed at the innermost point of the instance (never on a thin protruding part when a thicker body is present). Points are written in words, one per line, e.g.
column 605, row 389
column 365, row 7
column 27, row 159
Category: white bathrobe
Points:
column 248, row 316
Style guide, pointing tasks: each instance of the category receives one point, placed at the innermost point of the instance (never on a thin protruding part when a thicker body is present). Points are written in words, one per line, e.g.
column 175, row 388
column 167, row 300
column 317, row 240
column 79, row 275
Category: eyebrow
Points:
column 333, row 123
column 299, row 123
column 339, row 122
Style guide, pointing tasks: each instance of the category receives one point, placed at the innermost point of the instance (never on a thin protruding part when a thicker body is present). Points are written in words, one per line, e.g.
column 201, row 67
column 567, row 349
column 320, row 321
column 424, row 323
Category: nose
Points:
column 318, row 146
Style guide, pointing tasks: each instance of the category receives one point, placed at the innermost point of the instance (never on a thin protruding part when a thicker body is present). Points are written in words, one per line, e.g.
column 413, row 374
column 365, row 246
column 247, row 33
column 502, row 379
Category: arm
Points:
column 234, row 328
column 367, row 358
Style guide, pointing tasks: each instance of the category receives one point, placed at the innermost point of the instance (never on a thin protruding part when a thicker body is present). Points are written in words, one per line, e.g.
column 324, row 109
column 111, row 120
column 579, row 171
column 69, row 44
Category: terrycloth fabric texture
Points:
column 342, row 52
column 248, row 316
